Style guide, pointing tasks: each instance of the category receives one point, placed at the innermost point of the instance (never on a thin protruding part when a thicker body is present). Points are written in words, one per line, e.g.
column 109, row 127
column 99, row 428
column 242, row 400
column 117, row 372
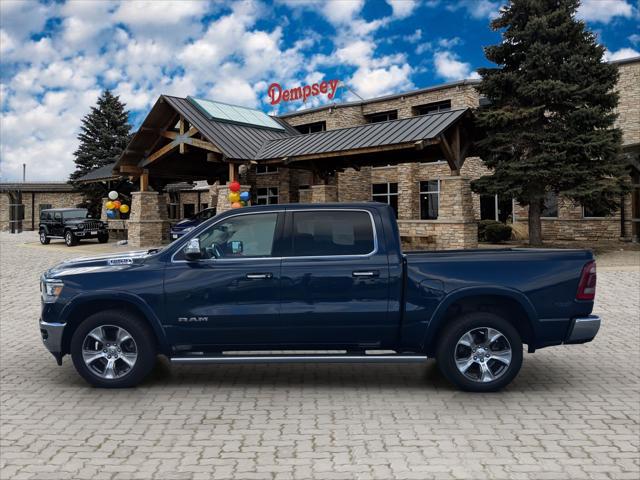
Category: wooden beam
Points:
column 131, row 169
column 233, row 172
column 449, row 155
column 182, row 128
column 158, row 153
column 144, row 181
column 169, row 134
column 196, row 142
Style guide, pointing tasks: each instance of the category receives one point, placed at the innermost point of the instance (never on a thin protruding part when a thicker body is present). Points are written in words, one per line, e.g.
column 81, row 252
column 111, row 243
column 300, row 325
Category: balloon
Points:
column 243, row 203
column 113, row 194
column 109, row 205
column 124, row 208
column 117, row 204
column 234, row 186
column 236, row 205
column 111, row 214
column 234, row 197
column 244, row 196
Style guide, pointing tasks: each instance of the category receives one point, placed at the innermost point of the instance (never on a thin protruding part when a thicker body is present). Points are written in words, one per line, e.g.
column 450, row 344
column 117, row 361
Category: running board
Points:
column 388, row 358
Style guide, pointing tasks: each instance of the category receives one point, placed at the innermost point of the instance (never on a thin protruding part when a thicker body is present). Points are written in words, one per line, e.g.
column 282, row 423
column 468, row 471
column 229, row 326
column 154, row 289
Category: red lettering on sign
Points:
column 277, row 94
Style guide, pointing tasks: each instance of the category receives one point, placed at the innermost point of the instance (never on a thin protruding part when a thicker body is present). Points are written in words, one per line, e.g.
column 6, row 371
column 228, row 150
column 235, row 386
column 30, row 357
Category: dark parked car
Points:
column 185, row 226
column 70, row 224
column 315, row 277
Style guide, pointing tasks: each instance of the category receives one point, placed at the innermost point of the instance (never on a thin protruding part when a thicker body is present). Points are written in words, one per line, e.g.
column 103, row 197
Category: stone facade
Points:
column 629, row 102
column 33, row 202
column 148, row 225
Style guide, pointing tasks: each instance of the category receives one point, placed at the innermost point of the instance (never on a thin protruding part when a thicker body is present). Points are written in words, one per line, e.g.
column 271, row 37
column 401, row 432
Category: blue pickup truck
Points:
column 315, row 280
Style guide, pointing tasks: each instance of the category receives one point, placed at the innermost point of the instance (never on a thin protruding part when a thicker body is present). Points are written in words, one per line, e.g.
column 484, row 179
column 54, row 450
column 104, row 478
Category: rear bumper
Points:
column 583, row 329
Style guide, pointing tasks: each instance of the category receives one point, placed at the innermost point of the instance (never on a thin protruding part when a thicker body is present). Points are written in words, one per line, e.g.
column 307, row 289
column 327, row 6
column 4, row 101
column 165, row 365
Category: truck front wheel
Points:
column 70, row 239
column 113, row 349
column 480, row 352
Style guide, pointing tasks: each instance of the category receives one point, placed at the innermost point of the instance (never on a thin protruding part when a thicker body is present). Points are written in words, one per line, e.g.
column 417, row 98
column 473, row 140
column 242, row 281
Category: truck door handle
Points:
column 368, row 273
column 259, row 276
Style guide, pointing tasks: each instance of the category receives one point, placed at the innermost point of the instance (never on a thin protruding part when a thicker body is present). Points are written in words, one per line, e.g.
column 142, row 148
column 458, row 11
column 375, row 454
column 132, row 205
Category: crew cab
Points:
column 322, row 278
column 70, row 224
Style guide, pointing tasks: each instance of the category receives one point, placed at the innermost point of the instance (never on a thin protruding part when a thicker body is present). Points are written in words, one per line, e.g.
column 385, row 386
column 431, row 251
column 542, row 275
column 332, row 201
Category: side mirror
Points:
column 192, row 251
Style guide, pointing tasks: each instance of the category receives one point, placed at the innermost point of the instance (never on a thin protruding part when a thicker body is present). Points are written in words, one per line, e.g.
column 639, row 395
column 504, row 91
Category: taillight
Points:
column 587, row 285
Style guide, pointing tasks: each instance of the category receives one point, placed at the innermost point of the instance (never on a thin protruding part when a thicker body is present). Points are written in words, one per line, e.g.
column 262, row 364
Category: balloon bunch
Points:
column 238, row 199
column 114, row 205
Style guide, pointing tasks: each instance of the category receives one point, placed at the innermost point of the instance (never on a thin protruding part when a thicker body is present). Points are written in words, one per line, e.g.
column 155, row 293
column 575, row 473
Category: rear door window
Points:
column 332, row 233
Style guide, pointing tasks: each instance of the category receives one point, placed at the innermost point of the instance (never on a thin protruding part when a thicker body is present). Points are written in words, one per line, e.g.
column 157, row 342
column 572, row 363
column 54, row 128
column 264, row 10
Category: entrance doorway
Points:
column 495, row 207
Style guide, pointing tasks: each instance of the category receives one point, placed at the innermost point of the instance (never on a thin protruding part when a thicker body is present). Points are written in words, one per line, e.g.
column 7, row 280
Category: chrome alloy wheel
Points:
column 109, row 352
column 43, row 236
column 483, row 354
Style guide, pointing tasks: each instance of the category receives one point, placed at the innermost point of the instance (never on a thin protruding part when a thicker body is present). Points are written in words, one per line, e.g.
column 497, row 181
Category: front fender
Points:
column 439, row 315
column 115, row 299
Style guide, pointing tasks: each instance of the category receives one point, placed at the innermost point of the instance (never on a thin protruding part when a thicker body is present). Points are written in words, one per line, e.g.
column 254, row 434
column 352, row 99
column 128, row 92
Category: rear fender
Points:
column 440, row 314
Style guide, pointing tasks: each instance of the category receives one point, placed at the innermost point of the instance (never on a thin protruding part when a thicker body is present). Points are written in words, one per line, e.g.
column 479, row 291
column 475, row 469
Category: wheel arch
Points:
column 83, row 307
column 511, row 305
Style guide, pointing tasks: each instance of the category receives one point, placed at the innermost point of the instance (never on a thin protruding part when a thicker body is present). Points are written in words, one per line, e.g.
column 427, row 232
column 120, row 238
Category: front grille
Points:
column 92, row 225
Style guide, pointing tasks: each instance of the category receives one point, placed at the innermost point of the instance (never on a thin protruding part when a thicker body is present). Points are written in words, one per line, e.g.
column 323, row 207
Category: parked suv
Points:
column 71, row 224
column 188, row 224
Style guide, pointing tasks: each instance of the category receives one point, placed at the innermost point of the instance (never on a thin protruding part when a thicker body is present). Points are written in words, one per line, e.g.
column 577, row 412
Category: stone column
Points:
column 456, row 218
column 304, row 195
column 148, row 225
column 284, row 185
column 223, row 204
column 324, row 193
column 354, row 185
column 408, row 191
column 103, row 210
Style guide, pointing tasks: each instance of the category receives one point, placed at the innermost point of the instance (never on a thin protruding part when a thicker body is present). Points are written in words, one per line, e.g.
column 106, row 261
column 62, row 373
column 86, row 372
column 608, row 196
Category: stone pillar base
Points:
column 223, row 204
column 324, row 193
column 304, row 195
column 148, row 225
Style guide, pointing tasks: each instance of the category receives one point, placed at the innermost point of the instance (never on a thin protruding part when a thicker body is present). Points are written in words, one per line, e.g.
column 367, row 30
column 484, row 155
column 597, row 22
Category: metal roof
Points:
column 100, row 173
column 392, row 132
column 239, row 142
column 36, row 187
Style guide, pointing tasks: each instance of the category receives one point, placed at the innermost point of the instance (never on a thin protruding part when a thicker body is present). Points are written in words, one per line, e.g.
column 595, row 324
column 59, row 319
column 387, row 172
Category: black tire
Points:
column 70, row 239
column 449, row 350
column 144, row 342
column 103, row 238
column 44, row 240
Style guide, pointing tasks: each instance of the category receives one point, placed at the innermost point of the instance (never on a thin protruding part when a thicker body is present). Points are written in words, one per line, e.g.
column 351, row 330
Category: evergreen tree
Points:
column 549, row 125
column 104, row 135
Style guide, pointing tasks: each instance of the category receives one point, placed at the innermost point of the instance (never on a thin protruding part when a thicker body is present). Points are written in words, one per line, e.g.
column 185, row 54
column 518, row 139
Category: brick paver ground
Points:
column 573, row 412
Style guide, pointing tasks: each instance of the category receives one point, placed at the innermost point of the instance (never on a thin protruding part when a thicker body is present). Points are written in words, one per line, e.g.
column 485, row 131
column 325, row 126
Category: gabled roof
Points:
column 392, row 132
column 100, row 173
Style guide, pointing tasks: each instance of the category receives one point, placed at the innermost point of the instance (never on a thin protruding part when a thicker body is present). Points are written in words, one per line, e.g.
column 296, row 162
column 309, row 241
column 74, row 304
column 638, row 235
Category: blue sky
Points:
column 56, row 57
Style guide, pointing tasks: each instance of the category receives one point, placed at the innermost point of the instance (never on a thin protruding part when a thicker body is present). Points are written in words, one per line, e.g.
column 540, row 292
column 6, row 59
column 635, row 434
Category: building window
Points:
column 173, row 207
column 189, row 210
column 429, row 199
column 267, row 196
column 382, row 116
column 550, row 207
column 312, row 127
column 386, row 193
column 433, row 107
column 262, row 169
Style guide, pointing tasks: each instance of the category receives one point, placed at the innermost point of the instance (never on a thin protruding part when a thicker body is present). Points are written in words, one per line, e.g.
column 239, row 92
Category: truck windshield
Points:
column 79, row 213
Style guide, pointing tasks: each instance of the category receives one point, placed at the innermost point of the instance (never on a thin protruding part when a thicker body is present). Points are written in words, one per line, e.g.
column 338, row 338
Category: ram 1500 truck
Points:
column 325, row 277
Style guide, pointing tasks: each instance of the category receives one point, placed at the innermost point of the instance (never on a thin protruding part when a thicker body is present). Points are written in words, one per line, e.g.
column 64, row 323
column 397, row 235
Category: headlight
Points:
column 51, row 290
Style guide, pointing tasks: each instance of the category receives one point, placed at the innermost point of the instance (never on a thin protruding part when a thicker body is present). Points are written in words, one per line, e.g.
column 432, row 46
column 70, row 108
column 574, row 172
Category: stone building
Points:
column 21, row 203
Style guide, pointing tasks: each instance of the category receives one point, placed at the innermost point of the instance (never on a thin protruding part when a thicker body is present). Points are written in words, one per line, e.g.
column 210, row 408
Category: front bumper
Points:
column 52, row 338
column 583, row 329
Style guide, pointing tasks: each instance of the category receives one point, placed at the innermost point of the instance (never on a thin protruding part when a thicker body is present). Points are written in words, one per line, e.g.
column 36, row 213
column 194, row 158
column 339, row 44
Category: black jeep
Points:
column 72, row 224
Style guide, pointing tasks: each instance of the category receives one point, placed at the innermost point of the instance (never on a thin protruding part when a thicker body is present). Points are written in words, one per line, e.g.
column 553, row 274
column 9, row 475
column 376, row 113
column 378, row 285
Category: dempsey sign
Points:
column 277, row 94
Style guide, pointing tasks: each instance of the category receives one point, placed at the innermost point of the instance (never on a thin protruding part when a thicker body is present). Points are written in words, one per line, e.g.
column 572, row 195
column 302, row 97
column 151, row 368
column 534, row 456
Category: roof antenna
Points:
column 344, row 85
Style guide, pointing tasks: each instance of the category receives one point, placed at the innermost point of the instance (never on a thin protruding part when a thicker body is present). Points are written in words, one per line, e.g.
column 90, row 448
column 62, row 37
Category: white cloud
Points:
column 604, row 11
column 479, row 9
column 621, row 54
column 414, row 37
column 449, row 67
column 369, row 82
column 634, row 38
column 340, row 12
column 402, row 8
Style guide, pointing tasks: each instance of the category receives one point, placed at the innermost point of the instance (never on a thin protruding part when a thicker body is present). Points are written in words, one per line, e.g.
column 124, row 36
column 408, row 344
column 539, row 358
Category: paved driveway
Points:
column 573, row 412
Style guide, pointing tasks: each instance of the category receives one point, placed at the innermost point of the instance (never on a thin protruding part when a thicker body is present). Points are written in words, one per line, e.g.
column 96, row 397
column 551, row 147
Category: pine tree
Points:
column 549, row 125
column 104, row 134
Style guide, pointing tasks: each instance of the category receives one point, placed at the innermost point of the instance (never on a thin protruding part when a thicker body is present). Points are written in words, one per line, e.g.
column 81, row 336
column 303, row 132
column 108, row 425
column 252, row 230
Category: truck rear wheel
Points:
column 480, row 352
column 113, row 349
column 44, row 240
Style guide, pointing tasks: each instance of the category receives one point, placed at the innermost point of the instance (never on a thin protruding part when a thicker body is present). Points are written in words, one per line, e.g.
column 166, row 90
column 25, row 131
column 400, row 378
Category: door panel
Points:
column 336, row 299
column 231, row 298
